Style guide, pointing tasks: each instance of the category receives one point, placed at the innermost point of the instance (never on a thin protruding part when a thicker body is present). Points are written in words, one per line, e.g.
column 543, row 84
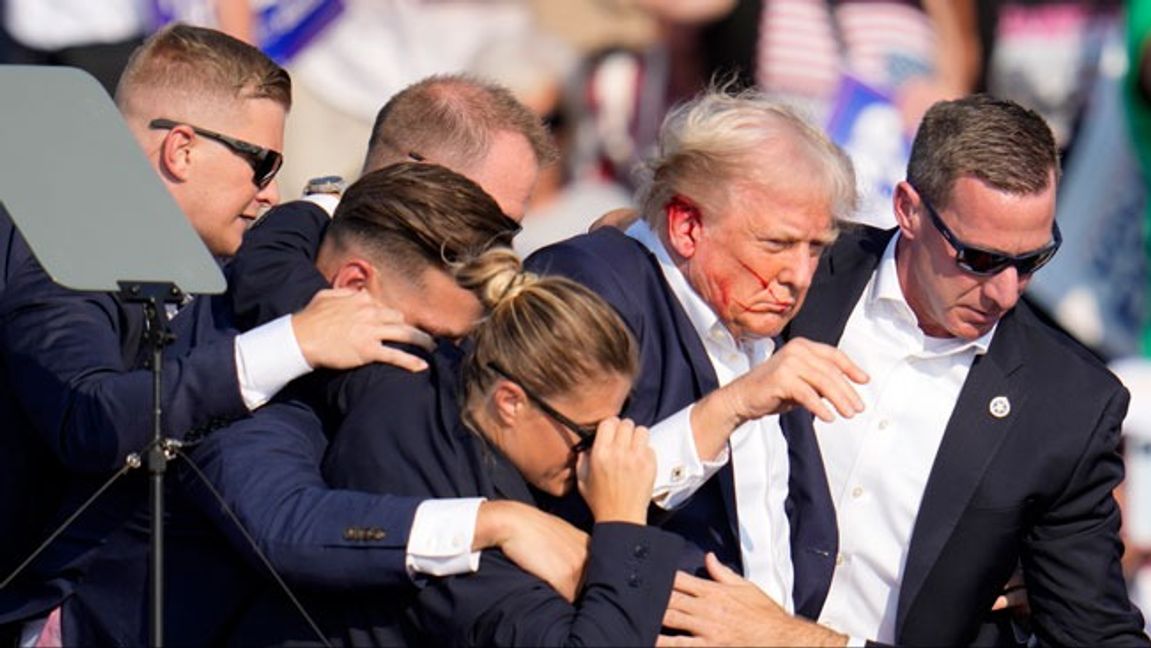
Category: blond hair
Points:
column 550, row 332
column 721, row 137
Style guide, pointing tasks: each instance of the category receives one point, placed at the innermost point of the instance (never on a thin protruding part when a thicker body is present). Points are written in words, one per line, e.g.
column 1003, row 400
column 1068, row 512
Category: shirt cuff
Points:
column 679, row 469
column 856, row 642
column 267, row 358
column 440, row 542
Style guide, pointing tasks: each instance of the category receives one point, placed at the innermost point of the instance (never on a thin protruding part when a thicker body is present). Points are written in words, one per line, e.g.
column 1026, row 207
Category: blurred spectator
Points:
column 94, row 35
column 233, row 17
column 1045, row 54
column 1096, row 287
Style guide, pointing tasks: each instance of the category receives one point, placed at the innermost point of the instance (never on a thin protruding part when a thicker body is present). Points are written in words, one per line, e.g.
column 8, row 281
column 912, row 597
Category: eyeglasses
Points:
column 265, row 163
column 985, row 263
column 586, row 433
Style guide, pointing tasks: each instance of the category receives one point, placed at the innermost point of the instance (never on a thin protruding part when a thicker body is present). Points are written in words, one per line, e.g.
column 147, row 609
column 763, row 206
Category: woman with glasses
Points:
column 528, row 412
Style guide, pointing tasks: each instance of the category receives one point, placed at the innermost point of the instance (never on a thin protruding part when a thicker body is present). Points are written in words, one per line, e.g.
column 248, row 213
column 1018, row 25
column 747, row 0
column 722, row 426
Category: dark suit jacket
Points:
column 267, row 470
column 422, row 449
column 1034, row 486
column 274, row 272
column 675, row 372
column 76, row 392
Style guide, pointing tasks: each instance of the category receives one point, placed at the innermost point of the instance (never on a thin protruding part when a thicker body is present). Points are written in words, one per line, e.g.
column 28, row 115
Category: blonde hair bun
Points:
column 496, row 276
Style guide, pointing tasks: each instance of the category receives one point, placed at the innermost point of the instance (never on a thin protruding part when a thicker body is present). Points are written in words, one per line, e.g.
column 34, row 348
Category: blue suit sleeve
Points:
column 267, row 469
column 274, row 273
column 64, row 361
column 626, row 590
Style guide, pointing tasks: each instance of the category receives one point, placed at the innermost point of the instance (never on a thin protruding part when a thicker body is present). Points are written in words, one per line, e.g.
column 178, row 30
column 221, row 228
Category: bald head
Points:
column 475, row 128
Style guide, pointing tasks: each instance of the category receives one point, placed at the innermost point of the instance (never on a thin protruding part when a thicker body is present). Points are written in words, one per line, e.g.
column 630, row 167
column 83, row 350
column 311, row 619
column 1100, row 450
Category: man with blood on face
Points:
column 741, row 200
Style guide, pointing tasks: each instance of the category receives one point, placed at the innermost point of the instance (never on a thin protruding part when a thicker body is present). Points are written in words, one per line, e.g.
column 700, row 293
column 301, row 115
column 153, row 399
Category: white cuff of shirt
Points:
column 267, row 358
column 679, row 470
column 856, row 642
column 440, row 542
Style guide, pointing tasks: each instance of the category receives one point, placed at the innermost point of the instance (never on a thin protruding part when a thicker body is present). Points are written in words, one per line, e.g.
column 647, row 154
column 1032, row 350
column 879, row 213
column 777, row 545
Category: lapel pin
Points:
column 999, row 406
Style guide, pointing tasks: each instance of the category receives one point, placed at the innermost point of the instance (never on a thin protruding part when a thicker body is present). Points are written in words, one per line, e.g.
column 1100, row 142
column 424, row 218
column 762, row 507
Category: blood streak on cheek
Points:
column 723, row 291
column 763, row 283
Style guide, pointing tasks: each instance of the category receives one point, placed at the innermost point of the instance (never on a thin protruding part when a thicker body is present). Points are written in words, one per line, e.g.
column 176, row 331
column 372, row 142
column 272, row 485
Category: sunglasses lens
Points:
column 1029, row 265
column 266, row 167
column 583, row 445
column 982, row 262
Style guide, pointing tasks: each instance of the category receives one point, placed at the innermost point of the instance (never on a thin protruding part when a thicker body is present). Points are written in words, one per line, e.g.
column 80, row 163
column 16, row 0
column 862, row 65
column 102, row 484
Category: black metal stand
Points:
column 154, row 295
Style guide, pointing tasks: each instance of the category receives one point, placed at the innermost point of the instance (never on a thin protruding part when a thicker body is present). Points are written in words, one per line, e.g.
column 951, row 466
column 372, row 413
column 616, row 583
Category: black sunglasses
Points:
column 586, row 433
column 265, row 163
column 985, row 263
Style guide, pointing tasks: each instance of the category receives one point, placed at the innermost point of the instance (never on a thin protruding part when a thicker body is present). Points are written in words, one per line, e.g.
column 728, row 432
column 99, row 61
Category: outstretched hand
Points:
column 802, row 373
column 732, row 611
column 342, row 328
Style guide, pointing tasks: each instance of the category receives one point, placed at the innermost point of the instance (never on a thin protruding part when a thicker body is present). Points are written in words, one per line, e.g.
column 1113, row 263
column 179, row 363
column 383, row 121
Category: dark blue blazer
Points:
column 267, row 469
column 675, row 372
column 77, row 394
column 422, row 449
column 274, row 272
column 1031, row 487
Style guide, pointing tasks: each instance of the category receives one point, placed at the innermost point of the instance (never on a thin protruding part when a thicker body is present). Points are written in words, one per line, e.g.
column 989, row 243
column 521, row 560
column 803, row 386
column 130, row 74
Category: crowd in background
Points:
column 601, row 74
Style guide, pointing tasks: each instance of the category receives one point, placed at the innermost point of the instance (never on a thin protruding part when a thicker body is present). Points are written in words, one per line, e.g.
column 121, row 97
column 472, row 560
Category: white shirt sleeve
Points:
column 679, row 470
column 440, row 542
column 267, row 358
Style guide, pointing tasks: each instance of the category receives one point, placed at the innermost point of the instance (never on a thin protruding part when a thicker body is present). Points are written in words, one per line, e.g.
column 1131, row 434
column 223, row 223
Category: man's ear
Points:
column 354, row 273
column 176, row 153
column 909, row 210
column 684, row 226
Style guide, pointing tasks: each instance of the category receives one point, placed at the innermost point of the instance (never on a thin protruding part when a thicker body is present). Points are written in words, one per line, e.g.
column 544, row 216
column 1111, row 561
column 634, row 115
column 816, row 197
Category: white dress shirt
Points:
column 878, row 462
column 757, row 449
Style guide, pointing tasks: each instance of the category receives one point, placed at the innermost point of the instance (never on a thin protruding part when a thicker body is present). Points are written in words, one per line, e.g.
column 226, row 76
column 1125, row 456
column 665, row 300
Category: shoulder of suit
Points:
column 607, row 248
column 294, row 212
column 1067, row 356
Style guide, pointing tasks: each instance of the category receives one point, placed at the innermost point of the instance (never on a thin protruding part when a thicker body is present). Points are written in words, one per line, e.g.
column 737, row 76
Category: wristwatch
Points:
column 331, row 184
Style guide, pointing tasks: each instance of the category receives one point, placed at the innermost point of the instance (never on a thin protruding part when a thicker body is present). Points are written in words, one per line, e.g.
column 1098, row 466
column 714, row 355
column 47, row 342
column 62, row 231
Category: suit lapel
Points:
column 705, row 383
column 971, row 440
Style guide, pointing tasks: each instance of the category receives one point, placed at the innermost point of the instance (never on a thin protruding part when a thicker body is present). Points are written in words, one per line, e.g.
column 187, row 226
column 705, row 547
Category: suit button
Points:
column 640, row 551
column 353, row 533
column 376, row 534
column 633, row 580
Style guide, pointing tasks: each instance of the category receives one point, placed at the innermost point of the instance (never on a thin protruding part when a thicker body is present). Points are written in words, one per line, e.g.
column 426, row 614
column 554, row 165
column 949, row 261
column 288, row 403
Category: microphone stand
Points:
column 154, row 296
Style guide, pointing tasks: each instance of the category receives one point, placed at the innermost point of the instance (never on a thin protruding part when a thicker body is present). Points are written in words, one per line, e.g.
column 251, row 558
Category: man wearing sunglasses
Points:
column 988, row 439
column 208, row 112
